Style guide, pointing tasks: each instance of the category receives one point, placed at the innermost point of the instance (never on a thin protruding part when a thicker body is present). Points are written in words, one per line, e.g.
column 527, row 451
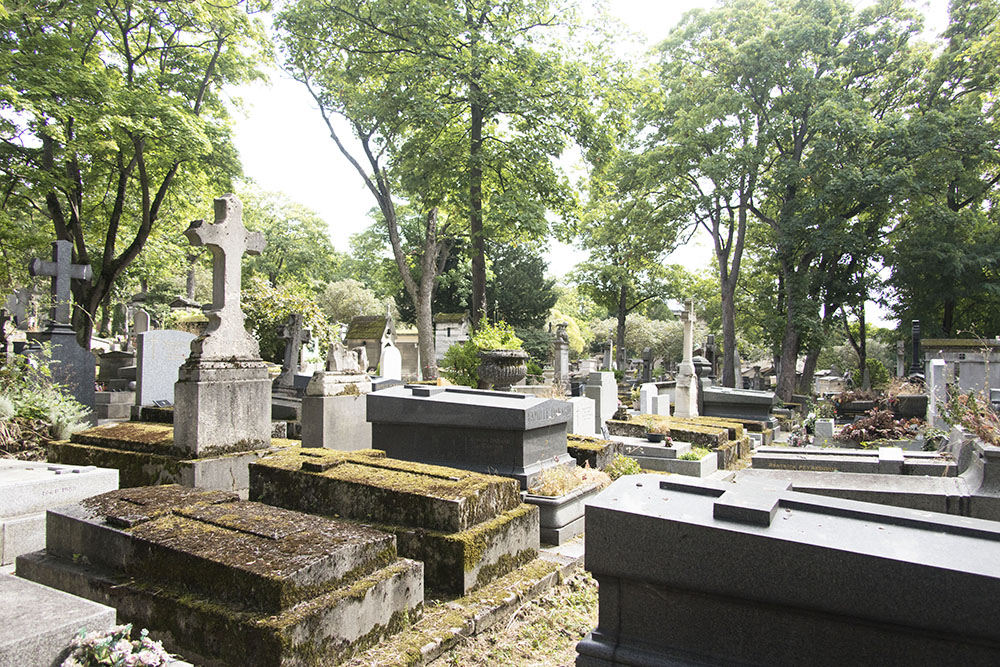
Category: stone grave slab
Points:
column 467, row 528
column 667, row 458
column 846, row 583
column 28, row 488
column 884, row 460
column 224, row 580
column 37, row 623
column 145, row 454
column 593, row 452
column 739, row 404
column 334, row 408
column 492, row 432
column 581, row 420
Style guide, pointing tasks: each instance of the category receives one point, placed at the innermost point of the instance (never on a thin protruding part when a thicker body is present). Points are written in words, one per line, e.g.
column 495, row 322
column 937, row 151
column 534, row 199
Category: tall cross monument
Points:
column 62, row 270
column 223, row 393
column 686, row 391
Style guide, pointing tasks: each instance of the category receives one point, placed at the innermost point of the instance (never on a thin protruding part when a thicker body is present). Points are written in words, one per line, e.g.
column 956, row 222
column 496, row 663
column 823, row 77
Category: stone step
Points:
column 250, row 555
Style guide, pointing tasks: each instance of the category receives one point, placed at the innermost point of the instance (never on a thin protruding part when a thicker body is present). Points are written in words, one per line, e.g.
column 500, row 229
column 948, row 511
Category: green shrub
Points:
column 30, row 394
column 498, row 336
column 461, row 364
column 268, row 308
column 877, row 374
column 622, row 465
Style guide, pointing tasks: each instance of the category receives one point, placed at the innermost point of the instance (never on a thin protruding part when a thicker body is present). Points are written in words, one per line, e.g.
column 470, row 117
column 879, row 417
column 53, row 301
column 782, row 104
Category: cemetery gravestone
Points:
column 334, row 409
column 855, row 613
column 686, row 392
column 391, row 362
column 916, row 367
column 295, row 334
column 560, row 356
column 581, row 420
column 28, row 488
column 140, row 321
column 937, row 389
column 37, row 623
column 467, row 528
column 646, row 393
column 159, row 356
column 223, row 392
column 230, row 581
column 603, row 390
column 72, row 365
column 491, row 432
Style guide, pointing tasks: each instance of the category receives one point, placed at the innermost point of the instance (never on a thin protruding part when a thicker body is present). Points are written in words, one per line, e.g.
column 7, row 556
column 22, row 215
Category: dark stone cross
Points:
column 226, row 336
column 295, row 335
column 62, row 270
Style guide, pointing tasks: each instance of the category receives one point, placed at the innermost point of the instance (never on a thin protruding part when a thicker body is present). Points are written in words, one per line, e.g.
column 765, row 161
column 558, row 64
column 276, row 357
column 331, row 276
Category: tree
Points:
column 343, row 300
column 298, row 243
column 476, row 101
column 811, row 104
column 107, row 104
column 518, row 289
column 945, row 250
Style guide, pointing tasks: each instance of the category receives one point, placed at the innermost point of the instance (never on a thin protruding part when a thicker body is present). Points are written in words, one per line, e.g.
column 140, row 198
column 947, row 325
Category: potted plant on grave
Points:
column 658, row 432
column 502, row 362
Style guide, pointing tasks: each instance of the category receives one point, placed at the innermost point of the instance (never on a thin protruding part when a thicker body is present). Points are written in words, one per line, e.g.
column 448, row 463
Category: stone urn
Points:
column 502, row 368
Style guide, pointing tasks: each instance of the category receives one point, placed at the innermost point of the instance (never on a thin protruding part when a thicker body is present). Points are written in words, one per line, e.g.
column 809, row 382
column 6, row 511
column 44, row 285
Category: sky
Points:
column 285, row 146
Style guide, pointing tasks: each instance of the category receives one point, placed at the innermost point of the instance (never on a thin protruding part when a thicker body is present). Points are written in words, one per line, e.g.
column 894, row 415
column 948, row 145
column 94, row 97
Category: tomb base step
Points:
column 322, row 631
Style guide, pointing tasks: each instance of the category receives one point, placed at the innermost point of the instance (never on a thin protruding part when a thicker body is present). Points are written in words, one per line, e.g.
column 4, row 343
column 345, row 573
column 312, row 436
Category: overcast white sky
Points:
column 285, row 146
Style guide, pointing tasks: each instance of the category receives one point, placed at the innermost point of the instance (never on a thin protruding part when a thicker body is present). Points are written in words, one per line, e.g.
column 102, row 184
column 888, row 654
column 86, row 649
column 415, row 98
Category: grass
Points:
column 543, row 633
column 696, row 454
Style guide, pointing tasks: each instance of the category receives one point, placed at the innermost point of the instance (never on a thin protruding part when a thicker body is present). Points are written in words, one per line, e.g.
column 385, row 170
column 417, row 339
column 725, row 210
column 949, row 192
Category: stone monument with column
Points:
column 560, row 356
column 223, row 394
column 686, row 392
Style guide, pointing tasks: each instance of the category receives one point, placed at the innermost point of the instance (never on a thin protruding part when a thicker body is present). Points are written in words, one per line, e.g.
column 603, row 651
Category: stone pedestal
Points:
column 222, row 407
column 937, row 389
column 560, row 360
column 335, row 413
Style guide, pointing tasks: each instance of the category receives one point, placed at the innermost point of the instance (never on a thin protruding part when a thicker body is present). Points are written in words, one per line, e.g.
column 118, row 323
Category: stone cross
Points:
column 17, row 306
column 688, row 317
column 62, row 270
column 295, row 334
column 227, row 239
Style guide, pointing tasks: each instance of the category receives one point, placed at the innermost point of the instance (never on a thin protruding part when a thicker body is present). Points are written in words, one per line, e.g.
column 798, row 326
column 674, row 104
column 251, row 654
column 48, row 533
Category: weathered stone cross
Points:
column 227, row 239
column 62, row 270
column 295, row 335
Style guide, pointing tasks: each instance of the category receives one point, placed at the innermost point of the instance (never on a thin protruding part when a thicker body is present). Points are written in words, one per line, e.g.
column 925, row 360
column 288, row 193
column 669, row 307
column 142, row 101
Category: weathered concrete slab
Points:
column 28, row 488
column 884, row 460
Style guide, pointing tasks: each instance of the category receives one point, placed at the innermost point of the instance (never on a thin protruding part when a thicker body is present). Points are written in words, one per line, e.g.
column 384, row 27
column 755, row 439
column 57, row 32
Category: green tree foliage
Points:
column 343, row 300
column 268, row 307
column 517, row 289
column 461, row 105
column 945, row 251
column 298, row 242
column 107, row 104
column 809, row 103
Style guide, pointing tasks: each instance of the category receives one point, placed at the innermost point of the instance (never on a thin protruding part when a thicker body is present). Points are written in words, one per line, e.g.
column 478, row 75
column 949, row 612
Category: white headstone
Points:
column 391, row 363
column 661, row 404
column 937, row 388
column 581, row 420
column 159, row 354
column 140, row 321
column 823, row 430
column 602, row 388
column 646, row 393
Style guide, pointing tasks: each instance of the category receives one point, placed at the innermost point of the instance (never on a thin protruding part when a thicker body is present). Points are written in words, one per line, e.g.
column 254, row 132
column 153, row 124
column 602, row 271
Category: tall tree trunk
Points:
column 620, row 333
column 476, row 211
column 728, row 290
column 948, row 316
